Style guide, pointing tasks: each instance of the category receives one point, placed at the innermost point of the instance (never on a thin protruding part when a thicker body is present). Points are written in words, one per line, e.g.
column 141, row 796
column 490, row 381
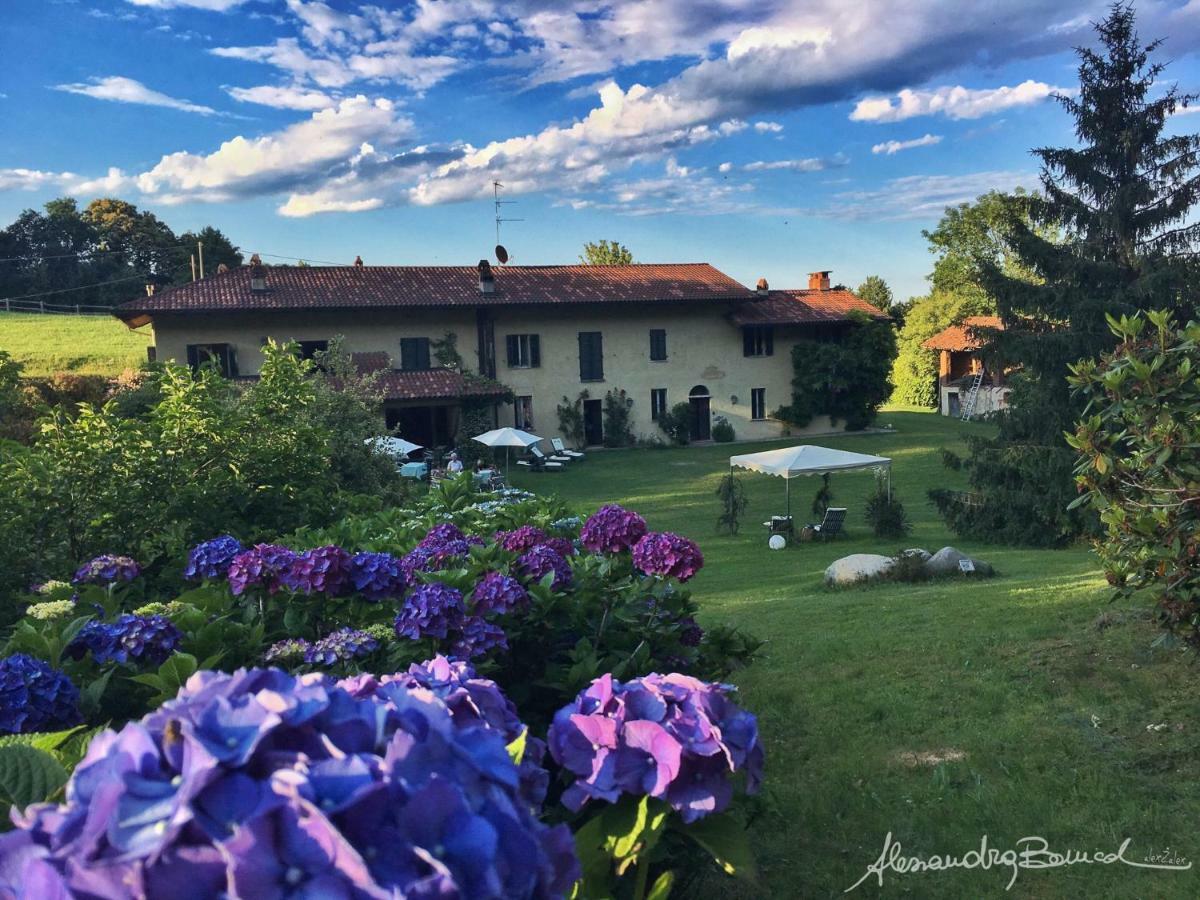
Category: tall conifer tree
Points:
column 1110, row 233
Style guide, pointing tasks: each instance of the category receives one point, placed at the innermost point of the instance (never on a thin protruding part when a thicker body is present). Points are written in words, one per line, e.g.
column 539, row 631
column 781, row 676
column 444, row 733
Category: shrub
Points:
column 676, row 423
column 616, row 420
column 1139, row 463
column 570, row 418
column 824, row 497
column 722, row 431
column 732, row 495
column 885, row 514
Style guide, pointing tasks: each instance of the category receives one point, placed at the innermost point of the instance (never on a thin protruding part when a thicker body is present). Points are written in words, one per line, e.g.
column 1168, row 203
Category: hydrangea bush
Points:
column 264, row 784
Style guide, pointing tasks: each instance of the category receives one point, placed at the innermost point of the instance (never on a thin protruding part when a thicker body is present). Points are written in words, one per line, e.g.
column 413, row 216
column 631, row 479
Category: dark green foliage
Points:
column 1112, row 233
column 885, row 513
column 676, row 423
column 722, row 431
column 876, row 292
column 846, row 380
column 824, row 497
column 616, row 420
column 732, row 495
column 107, row 250
column 1139, row 463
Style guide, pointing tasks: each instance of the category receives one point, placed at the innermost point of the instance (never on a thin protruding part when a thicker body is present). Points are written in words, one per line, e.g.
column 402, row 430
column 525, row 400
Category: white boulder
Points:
column 858, row 567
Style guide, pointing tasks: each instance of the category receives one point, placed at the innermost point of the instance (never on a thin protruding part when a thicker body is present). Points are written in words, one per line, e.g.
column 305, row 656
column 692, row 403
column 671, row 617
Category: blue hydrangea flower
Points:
column 344, row 644
column 35, row 697
column 377, row 576
column 131, row 638
column 106, row 569
column 289, row 650
column 261, row 784
column 497, row 593
column 668, row 736
column 431, row 610
column 478, row 637
column 537, row 563
column 210, row 559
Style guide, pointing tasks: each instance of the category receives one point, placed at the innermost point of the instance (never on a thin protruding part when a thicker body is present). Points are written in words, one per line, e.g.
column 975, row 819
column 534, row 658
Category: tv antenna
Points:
column 501, row 253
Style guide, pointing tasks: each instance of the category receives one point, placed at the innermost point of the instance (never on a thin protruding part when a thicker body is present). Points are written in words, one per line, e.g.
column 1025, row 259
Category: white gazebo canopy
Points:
column 806, row 459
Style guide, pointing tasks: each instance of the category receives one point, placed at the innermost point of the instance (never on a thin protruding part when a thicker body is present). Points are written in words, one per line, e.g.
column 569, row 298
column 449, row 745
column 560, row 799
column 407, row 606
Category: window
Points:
column 758, row 340
column 151, row 353
column 523, row 413
column 524, row 351
column 414, row 354
column 309, row 349
column 758, row 403
column 658, row 403
column 658, row 344
column 591, row 356
column 221, row 354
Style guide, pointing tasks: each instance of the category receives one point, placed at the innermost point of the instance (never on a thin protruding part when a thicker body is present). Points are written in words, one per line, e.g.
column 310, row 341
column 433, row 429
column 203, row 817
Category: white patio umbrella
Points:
column 507, row 437
column 393, row 446
column 806, row 459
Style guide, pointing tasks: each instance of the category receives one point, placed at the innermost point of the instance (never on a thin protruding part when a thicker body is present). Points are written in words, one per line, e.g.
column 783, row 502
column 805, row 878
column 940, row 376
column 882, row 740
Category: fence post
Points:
column 42, row 304
column 76, row 309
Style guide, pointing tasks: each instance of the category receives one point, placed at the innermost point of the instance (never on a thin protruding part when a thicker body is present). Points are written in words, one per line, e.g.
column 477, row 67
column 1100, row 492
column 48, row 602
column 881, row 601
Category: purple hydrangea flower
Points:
column 562, row 546
column 667, row 736
column 535, row 564
column 612, row 529
column 690, row 632
column 668, row 555
column 261, row 565
column 521, row 539
column 211, row 559
column 377, row 576
column 441, row 534
column 431, row 610
column 289, row 650
column 322, row 570
column 497, row 593
column 148, row 640
column 340, row 646
column 35, row 697
column 433, row 558
column 106, row 569
column 261, row 784
column 478, row 638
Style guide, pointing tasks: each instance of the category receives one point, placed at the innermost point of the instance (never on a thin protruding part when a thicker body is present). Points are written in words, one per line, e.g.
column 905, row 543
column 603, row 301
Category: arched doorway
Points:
column 701, row 423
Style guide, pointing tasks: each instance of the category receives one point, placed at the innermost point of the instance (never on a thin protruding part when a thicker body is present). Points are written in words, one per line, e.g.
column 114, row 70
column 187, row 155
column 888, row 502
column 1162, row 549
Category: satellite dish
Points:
column 501, row 254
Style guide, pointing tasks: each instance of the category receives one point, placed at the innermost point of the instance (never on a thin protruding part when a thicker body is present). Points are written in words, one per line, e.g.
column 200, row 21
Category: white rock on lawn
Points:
column 945, row 562
column 858, row 567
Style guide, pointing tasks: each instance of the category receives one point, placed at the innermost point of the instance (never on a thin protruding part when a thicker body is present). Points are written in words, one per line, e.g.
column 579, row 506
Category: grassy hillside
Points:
column 939, row 712
column 86, row 345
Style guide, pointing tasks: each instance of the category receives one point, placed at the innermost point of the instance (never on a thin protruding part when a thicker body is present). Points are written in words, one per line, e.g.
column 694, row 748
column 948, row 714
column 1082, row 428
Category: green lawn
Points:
column 85, row 345
column 1048, row 712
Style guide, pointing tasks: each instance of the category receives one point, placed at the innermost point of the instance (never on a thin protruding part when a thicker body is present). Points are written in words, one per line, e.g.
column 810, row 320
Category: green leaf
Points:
column 661, row 889
column 28, row 775
column 725, row 838
column 516, row 750
column 91, row 693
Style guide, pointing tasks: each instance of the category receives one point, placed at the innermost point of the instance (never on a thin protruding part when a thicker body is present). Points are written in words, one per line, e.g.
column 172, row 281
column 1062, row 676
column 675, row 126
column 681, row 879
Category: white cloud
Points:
column 30, row 179
column 953, row 102
column 282, row 97
column 891, row 147
column 279, row 161
column 810, row 164
column 213, row 5
column 922, row 196
column 765, row 127
column 725, row 167
column 127, row 90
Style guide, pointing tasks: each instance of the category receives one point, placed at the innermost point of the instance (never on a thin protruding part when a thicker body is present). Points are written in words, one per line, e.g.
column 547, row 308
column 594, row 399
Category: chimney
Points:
column 150, row 286
column 358, row 263
column 222, row 269
column 762, row 288
column 258, row 275
column 819, row 281
column 487, row 284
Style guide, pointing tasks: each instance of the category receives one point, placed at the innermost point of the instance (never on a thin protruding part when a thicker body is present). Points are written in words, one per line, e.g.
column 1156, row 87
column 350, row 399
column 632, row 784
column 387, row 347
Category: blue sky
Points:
column 770, row 137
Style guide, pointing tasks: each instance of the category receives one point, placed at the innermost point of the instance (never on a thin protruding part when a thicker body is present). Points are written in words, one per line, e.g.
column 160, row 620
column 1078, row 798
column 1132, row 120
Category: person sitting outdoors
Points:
column 454, row 466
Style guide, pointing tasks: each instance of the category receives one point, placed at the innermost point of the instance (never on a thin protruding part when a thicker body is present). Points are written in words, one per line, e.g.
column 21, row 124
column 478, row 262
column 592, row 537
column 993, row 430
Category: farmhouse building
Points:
column 652, row 335
column 963, row 365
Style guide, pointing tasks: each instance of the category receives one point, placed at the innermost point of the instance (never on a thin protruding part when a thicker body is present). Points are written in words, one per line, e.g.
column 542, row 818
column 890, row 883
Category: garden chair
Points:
column 561, row 449
column 831, row 525
column 554, row 457
column 539, row 462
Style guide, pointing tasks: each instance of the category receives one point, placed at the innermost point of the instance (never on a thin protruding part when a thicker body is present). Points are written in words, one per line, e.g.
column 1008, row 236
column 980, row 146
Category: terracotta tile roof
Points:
column 373, row 361
column 802, row 307
column 963, row 337
column 389, row 287
column 433, row 384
